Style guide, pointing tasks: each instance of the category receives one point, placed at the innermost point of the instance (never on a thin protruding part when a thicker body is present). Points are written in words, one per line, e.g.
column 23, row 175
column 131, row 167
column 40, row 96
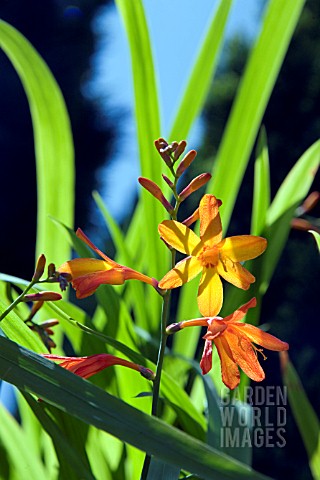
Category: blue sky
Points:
column 176, row 28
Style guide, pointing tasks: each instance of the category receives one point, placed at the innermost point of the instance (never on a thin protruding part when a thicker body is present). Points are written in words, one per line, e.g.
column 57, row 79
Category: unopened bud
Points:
column 168, row 181
column 186, row 162
column 49, row 323
column 310, row 202
column 180, row 149
column 193, row 218
column 156, row 192
column 301, row 224
column 147, row 373
column 161, row 145
column 42, row 296
column 173, row 328
column 194, row 185
column 51, row 270
column 41, row 263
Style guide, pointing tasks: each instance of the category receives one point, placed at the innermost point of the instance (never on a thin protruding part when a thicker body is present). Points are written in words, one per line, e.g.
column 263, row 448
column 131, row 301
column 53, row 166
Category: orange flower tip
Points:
column 147, row 373
column 194, row 185
column 40, row 266
column 42, row 296
column 173, row 328
column 168, row 181
column 186, row 162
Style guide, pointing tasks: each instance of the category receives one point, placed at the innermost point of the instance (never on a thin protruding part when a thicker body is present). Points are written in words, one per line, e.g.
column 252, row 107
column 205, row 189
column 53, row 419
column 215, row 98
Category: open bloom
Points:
column 234, row 341
column 210, row 255
column 85, row 367
column 88, row 273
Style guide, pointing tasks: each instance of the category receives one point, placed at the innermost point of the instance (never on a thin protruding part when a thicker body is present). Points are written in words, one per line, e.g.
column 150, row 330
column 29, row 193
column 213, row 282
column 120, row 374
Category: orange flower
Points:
column 234, row 341
column 85, row 367
column 210, row 255
column 89, row 273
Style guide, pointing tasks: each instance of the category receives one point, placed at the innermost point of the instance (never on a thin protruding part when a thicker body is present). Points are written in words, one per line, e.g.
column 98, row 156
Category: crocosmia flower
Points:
column 85, row 367
column 235, row 342
column 89, row 273
column 211, row 255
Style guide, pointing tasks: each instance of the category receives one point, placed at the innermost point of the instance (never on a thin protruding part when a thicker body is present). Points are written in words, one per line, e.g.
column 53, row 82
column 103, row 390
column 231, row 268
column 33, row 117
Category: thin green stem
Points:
column 17, row 300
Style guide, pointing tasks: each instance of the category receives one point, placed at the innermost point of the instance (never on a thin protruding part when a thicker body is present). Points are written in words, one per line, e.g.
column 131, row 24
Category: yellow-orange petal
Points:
column 210, row 293
column 244, row 354
column 180, row 237
column 183, row 272
column 242, row 247
column 262, row 338
column 229, row 369
column 235, row 273
column 238, row 314
column 88, row 284
column 83, row 266
column 210, row 222
column 80, row 234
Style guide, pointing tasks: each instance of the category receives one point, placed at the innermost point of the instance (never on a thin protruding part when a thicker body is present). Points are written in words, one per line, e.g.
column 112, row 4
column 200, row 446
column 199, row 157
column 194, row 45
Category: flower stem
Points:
column 17, row 300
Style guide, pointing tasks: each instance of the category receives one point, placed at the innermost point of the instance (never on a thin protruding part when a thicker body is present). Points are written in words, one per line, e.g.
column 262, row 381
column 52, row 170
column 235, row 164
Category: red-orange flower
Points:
column 210, row 255
column 89, row 273
column 85, row 367
column 234, row 341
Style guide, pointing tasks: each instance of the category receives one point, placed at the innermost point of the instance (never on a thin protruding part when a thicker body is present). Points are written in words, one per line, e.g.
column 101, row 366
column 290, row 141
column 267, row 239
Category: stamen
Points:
column 260, row 350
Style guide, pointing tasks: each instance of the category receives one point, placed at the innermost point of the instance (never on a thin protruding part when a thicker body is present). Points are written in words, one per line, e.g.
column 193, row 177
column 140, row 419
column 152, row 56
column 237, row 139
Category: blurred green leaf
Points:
column 257, row 83
column 15, row 441
column 159, row 470
column 83, row 400
column 53, row 142
column 261, row 191
column 202, row 73
column 304, row 414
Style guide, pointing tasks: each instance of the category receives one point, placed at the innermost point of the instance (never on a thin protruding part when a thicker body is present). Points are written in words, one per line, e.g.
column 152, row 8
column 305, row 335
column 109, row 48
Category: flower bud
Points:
column 41, row 263
column 156, row 192
column 42, row 296
column 180, row 149
column 310, row 202
column 186, row 162
column 194, row 185
column 193, row 218
column 168, row 181
column 161, row 145
column 147, row 373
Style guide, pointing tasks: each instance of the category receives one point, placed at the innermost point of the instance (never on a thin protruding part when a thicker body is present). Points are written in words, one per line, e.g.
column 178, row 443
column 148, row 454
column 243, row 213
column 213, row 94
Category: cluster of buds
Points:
column 44, row 329
column 303, row 221
column 171, row 153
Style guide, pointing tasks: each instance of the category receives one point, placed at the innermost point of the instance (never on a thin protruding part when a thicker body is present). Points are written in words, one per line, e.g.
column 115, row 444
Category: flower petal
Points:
column 244, row 354
column 210, row 222
column 242, row 247
column 210, row 293
column 238, row 314
column 262, row 338
column 229, row 369
column 80, row 234
column 206, row 359
column 88, row 284
column 183, row 272
column 130, row 274
column 180, row 237
column 83, row 266
column 235, row 273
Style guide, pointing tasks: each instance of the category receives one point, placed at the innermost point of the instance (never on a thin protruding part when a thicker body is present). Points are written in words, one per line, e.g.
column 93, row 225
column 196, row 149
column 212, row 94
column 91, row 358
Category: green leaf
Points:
column 202, row 73
column 159, row 470
column 252, row 98
column 148, row 124
column 304, row 414
column 53, row 142
column 15, row 441
column 261, row 192
column 88, row 403
column 316, row 237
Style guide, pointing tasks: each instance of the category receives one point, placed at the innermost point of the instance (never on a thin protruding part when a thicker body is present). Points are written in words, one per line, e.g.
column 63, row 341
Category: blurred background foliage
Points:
column 63, row 35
